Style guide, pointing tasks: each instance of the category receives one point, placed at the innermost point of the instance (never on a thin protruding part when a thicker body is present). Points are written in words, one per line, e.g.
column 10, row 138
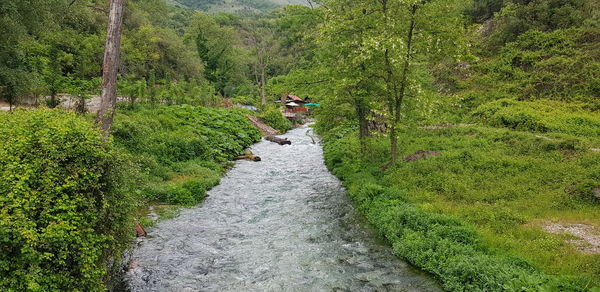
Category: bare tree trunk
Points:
column 263, row 83
column 110, row 67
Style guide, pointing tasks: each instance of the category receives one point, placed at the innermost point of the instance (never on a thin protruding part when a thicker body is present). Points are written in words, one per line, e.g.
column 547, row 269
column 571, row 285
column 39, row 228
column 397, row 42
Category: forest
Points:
column 466, row 132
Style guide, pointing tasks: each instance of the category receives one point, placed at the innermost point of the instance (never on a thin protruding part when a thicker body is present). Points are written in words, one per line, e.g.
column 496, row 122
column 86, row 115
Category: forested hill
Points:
column 236, row 6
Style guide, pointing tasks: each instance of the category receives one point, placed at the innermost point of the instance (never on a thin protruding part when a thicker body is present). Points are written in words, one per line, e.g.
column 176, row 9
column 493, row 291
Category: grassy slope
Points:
column 181, row 151
column 474, row 215
column 498, row 187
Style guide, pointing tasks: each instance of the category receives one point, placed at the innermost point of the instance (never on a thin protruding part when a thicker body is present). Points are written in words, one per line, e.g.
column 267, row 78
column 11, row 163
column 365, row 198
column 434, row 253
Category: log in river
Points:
column 282, row 224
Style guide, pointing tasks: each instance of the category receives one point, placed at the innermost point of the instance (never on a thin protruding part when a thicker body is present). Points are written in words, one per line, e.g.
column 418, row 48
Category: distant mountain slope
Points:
column 235, row 5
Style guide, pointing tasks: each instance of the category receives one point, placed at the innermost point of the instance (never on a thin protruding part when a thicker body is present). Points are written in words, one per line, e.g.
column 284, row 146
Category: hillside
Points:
column 237, row 6
column 465, row 133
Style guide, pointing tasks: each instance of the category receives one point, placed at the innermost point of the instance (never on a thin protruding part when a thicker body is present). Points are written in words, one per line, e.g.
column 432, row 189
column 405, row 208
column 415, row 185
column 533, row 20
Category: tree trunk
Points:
column 53, row 102
column 363, row 126
column 394, row 145
column 110, row 67
column 398, row 99
column 263, row 82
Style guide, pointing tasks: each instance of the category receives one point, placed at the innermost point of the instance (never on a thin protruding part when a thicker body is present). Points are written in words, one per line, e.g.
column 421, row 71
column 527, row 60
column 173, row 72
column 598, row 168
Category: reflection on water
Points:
column 282, row 224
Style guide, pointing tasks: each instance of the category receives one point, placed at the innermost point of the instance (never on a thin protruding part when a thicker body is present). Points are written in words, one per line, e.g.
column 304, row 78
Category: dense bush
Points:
column 246, row 100
column 562, row 65
column 273, row 117
column 518, row 16
column 63, row 213
column 179, row 133
column 180, row 150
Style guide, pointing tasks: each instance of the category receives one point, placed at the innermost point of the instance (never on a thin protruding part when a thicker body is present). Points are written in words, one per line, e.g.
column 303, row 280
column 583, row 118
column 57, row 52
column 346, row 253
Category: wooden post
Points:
column 110, row 67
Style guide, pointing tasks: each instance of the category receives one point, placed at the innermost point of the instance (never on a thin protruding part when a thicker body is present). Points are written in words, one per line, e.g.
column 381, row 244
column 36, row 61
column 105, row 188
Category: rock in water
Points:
column 279, row 141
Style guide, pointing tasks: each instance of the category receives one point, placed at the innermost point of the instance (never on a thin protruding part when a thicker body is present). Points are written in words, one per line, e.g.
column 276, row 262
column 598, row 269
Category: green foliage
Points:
column 540, row 116
column 465, row 215
column 224, row 62
column 237, row 6
column 272, row 116
column 64, row 215
column 517, row 17
column 562, row 65
column 188, row 186
column 160, row 52
column 482, row 10
column 246, row 100
column 48, row 45
column 178, row 148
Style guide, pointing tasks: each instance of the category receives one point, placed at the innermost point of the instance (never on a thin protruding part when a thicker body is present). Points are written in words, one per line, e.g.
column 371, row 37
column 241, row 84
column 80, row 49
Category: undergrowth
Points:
column 181, row 151
column 473, row 216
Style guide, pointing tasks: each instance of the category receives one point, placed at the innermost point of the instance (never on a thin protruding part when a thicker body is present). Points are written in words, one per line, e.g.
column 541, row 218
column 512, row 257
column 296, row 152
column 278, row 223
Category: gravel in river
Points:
column 282, row 224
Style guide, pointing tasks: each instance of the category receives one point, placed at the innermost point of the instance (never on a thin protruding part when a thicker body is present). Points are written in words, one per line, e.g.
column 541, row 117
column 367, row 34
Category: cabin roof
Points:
column 295, row 98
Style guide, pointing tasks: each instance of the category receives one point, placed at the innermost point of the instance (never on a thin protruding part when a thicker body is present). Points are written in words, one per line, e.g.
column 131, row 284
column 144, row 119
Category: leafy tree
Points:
column 259, row 37
column 296, row 30
column 21, row 22
column 216, row 46
column 380, row 42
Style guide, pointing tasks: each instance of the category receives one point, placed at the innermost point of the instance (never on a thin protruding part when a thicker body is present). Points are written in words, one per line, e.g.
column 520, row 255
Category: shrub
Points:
column 180, row 133
column 180, row 150
column 586, row 191
column 246, row 100
column 64, row 215
column 540, row 116
column 273, row 117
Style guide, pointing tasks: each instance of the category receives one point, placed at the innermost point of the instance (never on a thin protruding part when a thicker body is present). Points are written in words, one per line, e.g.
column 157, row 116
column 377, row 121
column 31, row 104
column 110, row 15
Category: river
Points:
column 282, row 224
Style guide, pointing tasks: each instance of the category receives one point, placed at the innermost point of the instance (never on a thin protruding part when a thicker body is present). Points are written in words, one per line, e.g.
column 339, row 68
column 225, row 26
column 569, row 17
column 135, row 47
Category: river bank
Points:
column 70, row 197
column 493, row 210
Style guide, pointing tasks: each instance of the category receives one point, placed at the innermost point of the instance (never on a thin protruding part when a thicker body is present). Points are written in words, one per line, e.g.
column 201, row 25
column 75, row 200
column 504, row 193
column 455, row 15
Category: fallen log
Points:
column 140, row 231
column 248, row 155
column 279, row 141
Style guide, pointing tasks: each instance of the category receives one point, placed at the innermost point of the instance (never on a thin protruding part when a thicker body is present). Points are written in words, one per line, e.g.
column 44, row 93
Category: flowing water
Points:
column 282, row 224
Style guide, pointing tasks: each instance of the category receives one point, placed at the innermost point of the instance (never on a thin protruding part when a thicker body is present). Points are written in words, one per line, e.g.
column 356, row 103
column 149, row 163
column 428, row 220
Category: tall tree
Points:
column 219, row 48
column 259, row 37
column 21, row 23
column 341, row 55
column 385, row 39
column 110, row 67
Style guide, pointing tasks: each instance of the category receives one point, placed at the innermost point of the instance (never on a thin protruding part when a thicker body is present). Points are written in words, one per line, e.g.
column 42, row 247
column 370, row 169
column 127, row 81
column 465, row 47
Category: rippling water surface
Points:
column 282, row 224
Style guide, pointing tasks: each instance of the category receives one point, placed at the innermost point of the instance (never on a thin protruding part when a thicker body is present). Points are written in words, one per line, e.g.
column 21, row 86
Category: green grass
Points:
column 473, row 216
column 541, row 116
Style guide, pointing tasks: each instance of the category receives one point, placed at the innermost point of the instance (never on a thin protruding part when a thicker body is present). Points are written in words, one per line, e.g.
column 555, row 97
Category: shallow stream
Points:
column 282, row 224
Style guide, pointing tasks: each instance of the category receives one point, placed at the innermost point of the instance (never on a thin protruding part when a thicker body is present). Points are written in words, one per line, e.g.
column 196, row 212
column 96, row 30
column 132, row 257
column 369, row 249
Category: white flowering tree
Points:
column 374, row 46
